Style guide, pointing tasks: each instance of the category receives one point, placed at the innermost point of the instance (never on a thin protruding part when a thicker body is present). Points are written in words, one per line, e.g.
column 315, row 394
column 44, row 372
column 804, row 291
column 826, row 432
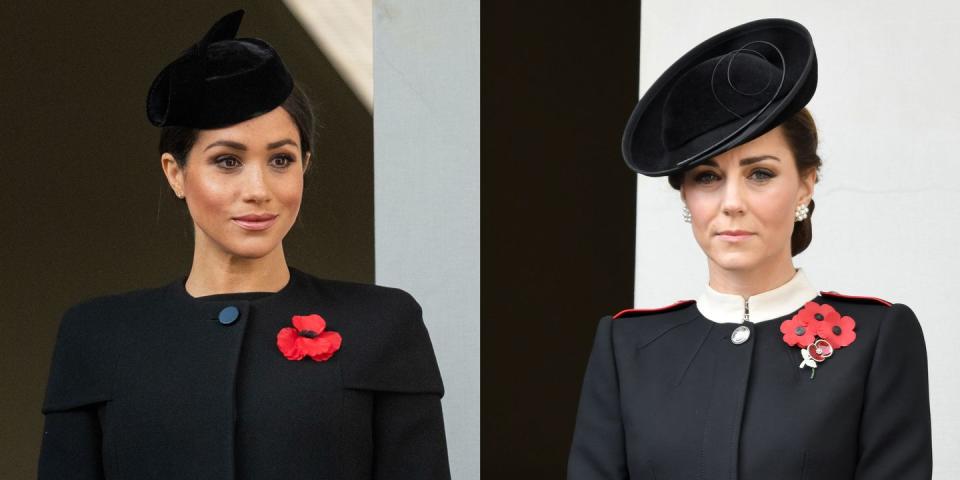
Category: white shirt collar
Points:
column 729, row 308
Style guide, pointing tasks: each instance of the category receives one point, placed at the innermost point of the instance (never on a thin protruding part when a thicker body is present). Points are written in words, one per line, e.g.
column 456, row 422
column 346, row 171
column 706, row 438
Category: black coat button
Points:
column 228, row 315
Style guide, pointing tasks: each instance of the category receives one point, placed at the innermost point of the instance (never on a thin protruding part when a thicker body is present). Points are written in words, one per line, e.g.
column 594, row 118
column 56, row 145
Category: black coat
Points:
column 150, row 385
column 668, row 396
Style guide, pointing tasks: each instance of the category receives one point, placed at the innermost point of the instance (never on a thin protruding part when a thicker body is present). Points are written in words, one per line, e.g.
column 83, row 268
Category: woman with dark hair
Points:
column 246, row 368
column 762, row 376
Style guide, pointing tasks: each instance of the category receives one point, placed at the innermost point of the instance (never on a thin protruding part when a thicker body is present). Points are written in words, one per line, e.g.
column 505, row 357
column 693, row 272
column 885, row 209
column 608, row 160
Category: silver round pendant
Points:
column 740, row 335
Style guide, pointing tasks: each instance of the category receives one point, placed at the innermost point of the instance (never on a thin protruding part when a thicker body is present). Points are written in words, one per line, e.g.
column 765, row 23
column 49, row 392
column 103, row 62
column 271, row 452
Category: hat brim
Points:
column 642, row 146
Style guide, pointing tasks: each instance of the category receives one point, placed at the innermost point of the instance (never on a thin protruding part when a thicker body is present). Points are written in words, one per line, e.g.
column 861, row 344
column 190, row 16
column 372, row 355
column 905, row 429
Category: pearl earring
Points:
column 685, row 213
column 802, row 212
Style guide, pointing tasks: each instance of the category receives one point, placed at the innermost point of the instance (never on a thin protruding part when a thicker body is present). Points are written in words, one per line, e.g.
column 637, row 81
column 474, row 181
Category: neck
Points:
column 215, row 271
column 749, row 282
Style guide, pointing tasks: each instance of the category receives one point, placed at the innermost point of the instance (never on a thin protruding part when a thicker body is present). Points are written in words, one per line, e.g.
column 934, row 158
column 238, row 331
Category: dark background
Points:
column 558, row 82
column 87, row 211
column 84, row 205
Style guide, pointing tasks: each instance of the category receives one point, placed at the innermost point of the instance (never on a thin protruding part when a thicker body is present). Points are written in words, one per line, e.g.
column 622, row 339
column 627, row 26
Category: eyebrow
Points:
column 240, row 146
column 744, row 161
column 226, row 143
column 280, row 143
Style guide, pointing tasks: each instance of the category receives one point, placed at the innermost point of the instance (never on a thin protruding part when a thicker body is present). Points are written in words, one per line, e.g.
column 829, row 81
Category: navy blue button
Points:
column 228, row 315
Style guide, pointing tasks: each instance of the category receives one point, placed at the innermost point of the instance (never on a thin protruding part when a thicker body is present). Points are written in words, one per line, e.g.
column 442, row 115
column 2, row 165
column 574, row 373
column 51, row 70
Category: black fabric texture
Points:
column 670, row 396
column 219, row 81
column 150, row 385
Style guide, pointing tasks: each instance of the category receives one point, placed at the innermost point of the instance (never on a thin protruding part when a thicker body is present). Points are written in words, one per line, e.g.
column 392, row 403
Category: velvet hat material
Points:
column 726, row 91
column 219, row 81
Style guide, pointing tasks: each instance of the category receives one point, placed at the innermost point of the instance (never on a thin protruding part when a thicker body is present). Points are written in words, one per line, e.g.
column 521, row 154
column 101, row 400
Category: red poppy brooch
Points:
column 818, row 330
column 308, row 338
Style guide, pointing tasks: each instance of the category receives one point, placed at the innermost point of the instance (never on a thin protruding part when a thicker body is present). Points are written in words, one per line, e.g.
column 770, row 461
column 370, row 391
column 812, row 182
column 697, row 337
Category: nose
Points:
column 255, row 188
column 732, row 202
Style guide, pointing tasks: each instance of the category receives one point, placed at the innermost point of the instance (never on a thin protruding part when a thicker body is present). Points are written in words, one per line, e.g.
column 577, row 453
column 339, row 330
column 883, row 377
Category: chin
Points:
column 251, row 249
column 734, row 260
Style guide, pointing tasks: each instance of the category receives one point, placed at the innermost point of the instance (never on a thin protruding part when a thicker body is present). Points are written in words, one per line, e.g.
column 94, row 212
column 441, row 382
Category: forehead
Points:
column 274, row 125
column 772, row 143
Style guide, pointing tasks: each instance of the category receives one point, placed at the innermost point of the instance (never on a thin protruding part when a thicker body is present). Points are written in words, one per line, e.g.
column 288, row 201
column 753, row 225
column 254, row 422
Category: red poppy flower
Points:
column 802, row 328
column 308, row 338
column 820, row 350
column 796, row 332
column 814, row 312
column 818, row 330
column 838, row 331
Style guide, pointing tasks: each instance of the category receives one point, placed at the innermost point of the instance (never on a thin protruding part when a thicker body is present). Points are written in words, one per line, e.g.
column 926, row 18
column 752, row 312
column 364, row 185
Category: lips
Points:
column 255, row 221
column 734, row 235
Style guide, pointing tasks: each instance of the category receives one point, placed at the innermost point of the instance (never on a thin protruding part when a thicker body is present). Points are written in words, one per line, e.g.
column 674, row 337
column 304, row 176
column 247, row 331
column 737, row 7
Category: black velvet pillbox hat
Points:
column 728, row 90
column 219, row 81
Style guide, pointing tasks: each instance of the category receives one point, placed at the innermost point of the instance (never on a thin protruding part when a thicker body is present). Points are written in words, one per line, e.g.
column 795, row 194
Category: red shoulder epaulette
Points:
column 631, row 311
column 856, row 297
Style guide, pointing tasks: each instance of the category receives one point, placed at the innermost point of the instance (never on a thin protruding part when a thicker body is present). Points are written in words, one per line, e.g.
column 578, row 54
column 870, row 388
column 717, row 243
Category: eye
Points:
column 228, row 162
column 281, row 161
column 762, row 174
column 705, row 177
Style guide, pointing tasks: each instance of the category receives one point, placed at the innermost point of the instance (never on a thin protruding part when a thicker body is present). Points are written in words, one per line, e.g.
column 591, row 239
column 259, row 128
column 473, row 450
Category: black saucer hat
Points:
column 725, row 92
column 219, row 81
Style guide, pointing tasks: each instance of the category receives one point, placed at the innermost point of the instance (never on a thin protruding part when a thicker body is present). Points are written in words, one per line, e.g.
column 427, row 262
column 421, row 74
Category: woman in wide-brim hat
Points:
column 763, row 376
column 245, row 368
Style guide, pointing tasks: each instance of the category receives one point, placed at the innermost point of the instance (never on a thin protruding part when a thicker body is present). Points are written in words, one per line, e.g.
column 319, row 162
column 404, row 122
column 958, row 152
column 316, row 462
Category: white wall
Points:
column 427, row 190
column 887, row 220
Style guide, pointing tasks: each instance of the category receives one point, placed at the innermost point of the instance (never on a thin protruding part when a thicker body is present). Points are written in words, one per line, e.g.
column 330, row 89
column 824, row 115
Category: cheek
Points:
column 208, row 197
column 703, row 208
column 703, row 199
column 775, row 210
column 289, row 192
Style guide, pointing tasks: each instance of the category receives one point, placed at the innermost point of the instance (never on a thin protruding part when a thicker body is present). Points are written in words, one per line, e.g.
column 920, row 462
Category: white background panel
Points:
column 887, row 219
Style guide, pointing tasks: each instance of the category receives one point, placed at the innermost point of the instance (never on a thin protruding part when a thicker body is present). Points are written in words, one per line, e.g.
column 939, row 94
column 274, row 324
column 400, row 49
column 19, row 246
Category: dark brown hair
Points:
column 801, row 134
column 178, row 141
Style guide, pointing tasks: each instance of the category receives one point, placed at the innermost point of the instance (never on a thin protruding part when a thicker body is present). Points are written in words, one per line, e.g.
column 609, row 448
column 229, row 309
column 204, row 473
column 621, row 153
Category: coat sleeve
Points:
column 895, row 437
column 76, row 389
column 398, row 365
column 598, row 450
column 71, row 446
column 409, row 437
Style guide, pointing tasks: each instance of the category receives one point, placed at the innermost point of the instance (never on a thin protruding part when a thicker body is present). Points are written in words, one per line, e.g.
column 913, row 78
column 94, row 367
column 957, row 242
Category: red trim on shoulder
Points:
column 855, row 297
column 677, row 304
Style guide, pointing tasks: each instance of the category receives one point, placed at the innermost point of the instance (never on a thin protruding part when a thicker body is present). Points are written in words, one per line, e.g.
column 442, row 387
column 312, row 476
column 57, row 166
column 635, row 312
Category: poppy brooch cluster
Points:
column 308, row 337
column 819, row 330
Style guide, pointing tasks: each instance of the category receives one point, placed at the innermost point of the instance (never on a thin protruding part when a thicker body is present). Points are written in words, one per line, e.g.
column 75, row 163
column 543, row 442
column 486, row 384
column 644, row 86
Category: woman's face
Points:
column 742, row 202
column 242, row 184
